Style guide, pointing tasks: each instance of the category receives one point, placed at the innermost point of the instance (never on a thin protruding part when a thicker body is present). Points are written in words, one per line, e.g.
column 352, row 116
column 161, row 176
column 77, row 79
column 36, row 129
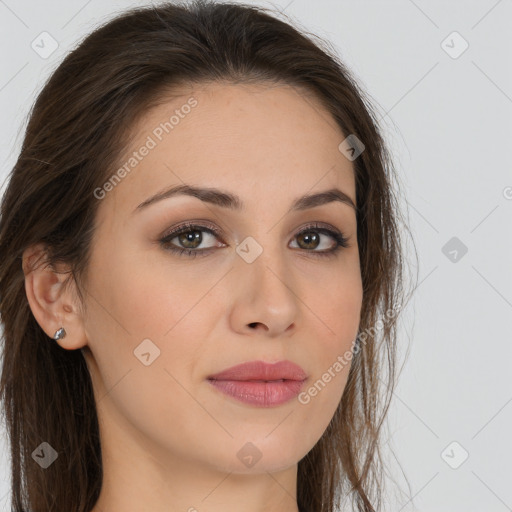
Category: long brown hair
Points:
column 77, row 129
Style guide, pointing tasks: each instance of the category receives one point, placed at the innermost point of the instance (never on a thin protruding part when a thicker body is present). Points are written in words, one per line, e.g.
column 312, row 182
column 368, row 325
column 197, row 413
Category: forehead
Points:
column 261, row 140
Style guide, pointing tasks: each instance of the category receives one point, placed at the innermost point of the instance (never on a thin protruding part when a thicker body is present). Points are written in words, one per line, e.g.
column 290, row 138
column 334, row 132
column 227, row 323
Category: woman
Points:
column 200, row 273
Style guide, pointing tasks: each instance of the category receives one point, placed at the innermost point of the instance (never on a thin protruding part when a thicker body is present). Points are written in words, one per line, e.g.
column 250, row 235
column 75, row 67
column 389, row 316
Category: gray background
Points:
column 448, row 121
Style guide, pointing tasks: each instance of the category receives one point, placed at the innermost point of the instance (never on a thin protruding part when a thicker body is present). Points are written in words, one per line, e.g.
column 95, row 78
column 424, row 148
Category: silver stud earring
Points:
column 59, row 334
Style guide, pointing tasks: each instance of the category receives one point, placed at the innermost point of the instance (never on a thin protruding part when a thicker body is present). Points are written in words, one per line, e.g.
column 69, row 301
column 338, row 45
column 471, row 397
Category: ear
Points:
column 53, row 305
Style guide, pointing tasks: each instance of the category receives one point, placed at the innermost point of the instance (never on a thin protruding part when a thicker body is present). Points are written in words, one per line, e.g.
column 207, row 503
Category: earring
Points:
column 59, row 334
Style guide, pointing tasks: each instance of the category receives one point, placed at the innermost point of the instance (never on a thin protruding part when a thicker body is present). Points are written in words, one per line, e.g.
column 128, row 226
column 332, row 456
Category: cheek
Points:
column 163, row 303
column 134, row 306
column 338, row 308
column 148, row 295
column 338, row 305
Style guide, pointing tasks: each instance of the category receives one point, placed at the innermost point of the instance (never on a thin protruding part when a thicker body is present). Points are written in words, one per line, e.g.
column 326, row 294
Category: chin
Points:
column 261, row 454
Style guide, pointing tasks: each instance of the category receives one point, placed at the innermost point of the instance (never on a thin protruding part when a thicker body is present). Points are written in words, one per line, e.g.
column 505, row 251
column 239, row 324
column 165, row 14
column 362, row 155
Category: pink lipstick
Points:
column 259, row 383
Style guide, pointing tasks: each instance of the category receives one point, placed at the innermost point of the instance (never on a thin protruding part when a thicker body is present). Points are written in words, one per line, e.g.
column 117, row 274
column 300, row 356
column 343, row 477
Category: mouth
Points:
column 260, row 384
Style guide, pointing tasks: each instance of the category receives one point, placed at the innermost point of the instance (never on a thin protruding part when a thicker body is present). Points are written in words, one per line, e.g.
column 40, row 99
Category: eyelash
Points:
column 339, row 238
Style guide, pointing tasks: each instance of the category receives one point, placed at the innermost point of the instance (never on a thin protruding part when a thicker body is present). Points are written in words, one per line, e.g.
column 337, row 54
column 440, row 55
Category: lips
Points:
column 260, row 384
column 262, row 372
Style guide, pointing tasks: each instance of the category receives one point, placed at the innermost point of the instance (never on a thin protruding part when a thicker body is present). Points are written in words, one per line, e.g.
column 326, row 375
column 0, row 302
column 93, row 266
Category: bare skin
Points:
column 170, row 439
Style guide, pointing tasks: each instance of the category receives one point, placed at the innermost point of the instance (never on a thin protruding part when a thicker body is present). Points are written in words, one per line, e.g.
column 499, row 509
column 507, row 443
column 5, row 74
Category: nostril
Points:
column 255, row 325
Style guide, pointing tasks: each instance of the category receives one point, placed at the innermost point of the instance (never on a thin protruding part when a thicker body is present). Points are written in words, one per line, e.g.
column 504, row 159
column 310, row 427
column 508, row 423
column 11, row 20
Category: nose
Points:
column 265, row 299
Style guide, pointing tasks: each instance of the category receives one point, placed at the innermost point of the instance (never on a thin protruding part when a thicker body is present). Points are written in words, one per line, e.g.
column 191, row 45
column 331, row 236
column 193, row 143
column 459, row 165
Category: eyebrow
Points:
column 226, row 199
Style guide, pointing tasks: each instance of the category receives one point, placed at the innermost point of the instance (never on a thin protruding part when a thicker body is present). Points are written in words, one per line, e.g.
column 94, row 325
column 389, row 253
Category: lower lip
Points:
column 261, row 394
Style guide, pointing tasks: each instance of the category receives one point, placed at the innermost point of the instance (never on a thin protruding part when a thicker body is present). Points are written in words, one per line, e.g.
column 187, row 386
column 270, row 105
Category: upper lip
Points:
column 260, row 370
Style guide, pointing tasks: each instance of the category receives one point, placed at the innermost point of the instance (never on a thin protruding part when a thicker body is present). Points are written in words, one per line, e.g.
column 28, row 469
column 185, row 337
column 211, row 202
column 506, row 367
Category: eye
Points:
column 190, row 237
column 311, row 238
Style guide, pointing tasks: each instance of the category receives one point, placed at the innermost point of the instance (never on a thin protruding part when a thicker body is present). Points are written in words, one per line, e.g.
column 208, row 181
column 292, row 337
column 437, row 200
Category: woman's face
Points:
column 159, row 323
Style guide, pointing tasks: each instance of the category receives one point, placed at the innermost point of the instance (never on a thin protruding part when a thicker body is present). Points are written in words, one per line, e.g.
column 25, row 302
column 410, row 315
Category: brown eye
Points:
column 188, row 239
column 310, row 239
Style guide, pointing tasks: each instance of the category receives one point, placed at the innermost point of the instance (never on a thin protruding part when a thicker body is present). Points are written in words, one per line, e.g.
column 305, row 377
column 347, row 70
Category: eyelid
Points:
column 339, row 236
column 189, row 225
column 201, row 224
